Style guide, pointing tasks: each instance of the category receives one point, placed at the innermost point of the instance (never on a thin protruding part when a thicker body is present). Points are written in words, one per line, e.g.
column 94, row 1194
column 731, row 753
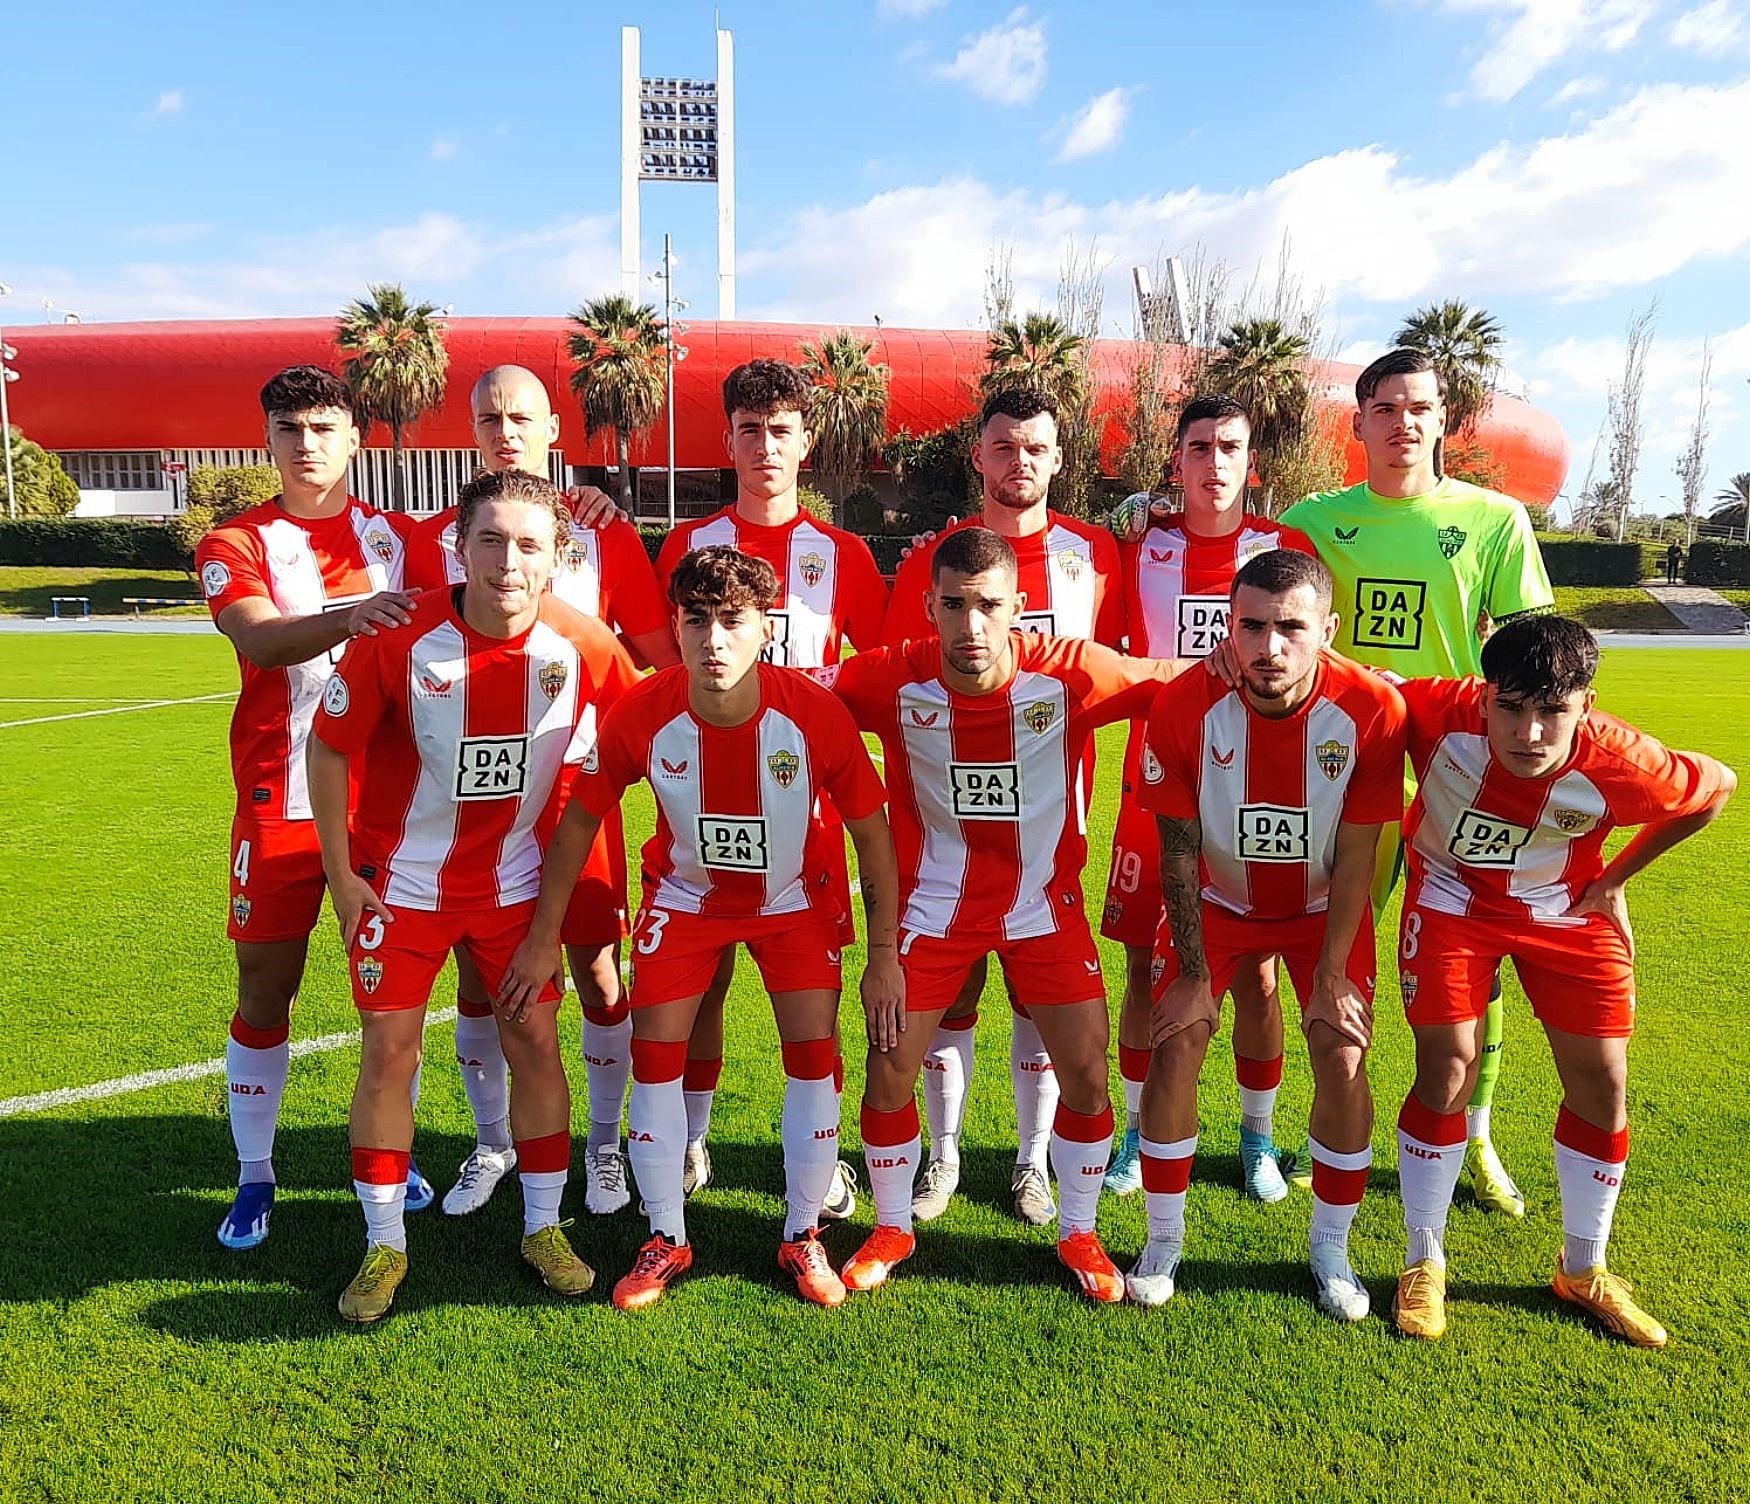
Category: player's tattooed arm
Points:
column 1181, row 841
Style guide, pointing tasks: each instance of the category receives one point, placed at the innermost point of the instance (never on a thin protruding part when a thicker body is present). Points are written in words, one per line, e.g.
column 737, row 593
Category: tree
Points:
column 848, row 412
column 1037, row 350
column 1465, row 345
column 217, row 494
column 395, row 362
column 1691, row 466
column 40, row 486
column 1262, row 364
column 1736, row 511
column 1623, row 414
column 620, row 351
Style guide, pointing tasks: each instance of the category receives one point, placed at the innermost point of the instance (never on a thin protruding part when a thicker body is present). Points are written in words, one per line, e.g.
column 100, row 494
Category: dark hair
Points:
column 764, row 387
column 1399, row 362
column 511, row 485
column 303, row 389
column 1019, row 403
column 973, row 550
column 723, row 576
column 1216, row 405
column 1283, row 569
column 1541, row 655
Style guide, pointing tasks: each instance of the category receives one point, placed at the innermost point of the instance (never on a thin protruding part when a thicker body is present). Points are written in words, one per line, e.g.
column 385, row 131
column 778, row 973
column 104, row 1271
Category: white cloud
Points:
column 442, row 148
column 169, row 103
column 1006, row 64
column 907, row 9
column 1527, row 36
column 1718, row 26
column 1583, row 87
column 1096, row 127
column 1624, row 199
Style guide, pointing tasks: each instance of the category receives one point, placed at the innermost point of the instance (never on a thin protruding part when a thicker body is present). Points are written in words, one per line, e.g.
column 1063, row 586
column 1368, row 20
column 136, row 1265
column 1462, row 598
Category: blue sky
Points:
column 1560, row 162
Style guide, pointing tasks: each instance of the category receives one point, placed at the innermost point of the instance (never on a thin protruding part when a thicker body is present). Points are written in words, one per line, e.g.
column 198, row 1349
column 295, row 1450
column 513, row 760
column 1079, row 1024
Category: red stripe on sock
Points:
column 810, row 1059
column 658, row 1060
column 960, row 1023
column 1168, row 1175
column 1081, row 1127
column 380, row 1166
column 544, row 1155
column 701, row 1075
column 838, row 1074
column 468, row 1008
column 1574, row 1132
column 885, row 1129
column 258, row 1039
column 1133, row 1063
column 1258, row 1075
column 1439, row 1130
column 606, row 1017
column 1338, row 1187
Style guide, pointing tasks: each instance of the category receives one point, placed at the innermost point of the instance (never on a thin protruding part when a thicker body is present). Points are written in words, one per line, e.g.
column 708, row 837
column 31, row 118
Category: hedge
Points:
column 1591, row 561
column 88, row 542
column 1711, row 563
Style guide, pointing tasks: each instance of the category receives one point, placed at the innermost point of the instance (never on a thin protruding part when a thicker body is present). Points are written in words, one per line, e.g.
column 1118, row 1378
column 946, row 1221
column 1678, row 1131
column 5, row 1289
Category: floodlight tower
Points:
column 677, row 130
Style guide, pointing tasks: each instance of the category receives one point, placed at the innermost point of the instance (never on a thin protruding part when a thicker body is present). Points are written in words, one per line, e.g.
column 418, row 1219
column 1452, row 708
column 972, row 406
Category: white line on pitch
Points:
column 121, row 1086
column 73, row 700
column 80, row 715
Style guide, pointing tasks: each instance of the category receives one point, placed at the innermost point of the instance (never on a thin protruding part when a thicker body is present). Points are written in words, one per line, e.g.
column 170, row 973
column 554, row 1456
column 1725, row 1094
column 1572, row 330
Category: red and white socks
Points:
column 1133, row 1072
column 892, row 1145
column 699, row 1087
column 379, row 1177
column 543, row 1164
column 256, row 1062
column 485, row 1076
column 1258, row 1082
column 1430, row 1159
column 947, row 1073
column 1166, row 1179
column 1339, row 1181
column 1034, row 1080
column 1590, row 1164
column 657, row 1133
column 607, row 1062
column 1081, row 1145
column 810, row 1131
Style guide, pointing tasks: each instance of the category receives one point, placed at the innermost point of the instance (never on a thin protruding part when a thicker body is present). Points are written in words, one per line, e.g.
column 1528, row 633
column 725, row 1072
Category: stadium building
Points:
column 130, row 407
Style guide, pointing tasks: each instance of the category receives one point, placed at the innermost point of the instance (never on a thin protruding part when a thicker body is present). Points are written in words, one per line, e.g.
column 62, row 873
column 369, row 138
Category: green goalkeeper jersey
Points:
column 1414, row 575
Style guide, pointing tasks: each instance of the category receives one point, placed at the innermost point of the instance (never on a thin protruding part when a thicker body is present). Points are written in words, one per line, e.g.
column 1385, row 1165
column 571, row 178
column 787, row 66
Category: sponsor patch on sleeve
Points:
column 335, row 696
column 215, row 578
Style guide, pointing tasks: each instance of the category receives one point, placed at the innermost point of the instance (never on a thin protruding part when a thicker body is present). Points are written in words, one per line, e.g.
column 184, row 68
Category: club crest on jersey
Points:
column 1409, row 982
column 1072, row 564
column 785, row 766
column 1157, row 968
column 552, row 678
column 575, row 557
column 1114, row 911
column 240, row 907
column 1573, row 822
column 1039, row 716
column 379, row 541
column 370, row 971
column 813, row 569
column 1451, row 540
column 1333, row 757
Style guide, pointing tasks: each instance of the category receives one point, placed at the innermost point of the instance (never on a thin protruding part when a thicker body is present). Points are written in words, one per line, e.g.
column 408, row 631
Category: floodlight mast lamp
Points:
column 7, row 376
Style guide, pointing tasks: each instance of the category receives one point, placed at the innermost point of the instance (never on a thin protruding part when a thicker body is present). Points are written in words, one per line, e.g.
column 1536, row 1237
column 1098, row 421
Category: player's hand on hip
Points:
column 1609, row 901
column 1224, row 662
column 353, row 899
column 387, row 609
column 530, row 969
column 883, row 991
column 1185, row 1004
column 592, row 507
column 919, row 540
column 1339, row 1004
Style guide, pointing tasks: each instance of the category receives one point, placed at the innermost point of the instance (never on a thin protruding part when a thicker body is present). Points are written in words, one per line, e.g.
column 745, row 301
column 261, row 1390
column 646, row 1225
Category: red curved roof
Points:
column 194, row 385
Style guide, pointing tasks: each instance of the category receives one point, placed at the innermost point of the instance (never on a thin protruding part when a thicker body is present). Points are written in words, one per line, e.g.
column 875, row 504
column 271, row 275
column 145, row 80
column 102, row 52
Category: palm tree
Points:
column 849, row 410
column 395, row 363
column 1735, row 509
column 1038, row 351
column 620, row 351
column 1465, row 344
column 1261, row 363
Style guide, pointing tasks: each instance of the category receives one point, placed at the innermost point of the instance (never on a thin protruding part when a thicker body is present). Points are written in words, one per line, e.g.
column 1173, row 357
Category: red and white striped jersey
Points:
column 468, row 741
column 988, row 793
column 828, row 586
column 1177, row 583
column 1268, row 791
column 1069, row 571
column 303, row 566
column 734, row 804
column 603, row 573
column 1483, row 841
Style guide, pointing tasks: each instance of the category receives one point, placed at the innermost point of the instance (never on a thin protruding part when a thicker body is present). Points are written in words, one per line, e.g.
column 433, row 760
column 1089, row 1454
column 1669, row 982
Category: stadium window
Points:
column 115, row 470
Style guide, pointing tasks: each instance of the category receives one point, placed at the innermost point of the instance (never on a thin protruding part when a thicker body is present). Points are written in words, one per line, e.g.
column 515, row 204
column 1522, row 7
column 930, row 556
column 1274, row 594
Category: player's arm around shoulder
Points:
column 1112, row 685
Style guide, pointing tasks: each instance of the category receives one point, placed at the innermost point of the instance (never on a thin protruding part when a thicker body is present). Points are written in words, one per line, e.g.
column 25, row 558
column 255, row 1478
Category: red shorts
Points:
column 1580, row 978
column 1228, row 940
column 836, row 879
column 276, row 879
column 675, row 955
column 596, row 915
column 1041, row 972
column 393, row 965
column 1134, row 902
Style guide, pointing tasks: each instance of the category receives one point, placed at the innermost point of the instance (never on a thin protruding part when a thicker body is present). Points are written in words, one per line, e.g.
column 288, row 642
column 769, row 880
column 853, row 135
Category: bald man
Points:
column 602, row 572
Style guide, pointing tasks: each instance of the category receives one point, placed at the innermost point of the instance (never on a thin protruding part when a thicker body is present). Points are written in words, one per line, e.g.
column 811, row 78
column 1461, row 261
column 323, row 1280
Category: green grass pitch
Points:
column 139, row 1360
